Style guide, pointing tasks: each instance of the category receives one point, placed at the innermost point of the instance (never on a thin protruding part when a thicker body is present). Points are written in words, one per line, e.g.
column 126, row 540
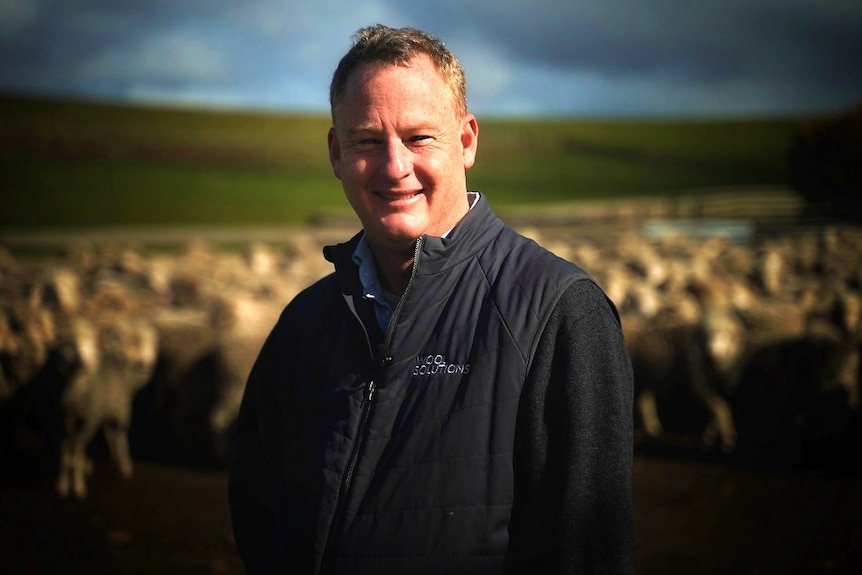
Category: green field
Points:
column 74, row 164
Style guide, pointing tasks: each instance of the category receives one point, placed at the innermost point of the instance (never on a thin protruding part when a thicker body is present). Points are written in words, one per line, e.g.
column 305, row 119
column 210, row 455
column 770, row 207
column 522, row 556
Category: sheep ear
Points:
column 36, row 296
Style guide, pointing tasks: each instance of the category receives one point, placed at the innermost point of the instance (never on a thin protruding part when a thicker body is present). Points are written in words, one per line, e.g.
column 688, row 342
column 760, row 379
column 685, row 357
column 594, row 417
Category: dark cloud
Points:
column 614, row 38
column 551, row 56
column 809, row 44
column 809, row 50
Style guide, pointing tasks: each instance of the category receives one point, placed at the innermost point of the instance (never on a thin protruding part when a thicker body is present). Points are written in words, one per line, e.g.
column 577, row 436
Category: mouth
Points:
column 398, row 196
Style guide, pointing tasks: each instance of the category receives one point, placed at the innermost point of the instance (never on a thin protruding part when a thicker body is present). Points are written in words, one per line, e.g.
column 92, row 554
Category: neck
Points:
column 394, row 267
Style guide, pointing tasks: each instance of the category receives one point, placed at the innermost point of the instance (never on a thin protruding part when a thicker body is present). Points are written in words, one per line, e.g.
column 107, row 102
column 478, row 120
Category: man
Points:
column 454, row 398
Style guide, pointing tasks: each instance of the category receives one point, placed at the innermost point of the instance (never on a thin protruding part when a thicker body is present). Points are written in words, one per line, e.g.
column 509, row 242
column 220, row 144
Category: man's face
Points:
column 401, row 150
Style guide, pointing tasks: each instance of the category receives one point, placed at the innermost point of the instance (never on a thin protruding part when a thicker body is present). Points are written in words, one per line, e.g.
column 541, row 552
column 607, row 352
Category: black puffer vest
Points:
column 398, row 446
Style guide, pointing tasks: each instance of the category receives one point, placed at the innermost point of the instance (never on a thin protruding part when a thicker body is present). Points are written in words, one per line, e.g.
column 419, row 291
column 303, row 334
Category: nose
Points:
column 398, row 162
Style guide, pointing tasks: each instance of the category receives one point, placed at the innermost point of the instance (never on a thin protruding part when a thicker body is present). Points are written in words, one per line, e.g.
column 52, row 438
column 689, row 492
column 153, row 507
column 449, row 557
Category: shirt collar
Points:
column 364, row 258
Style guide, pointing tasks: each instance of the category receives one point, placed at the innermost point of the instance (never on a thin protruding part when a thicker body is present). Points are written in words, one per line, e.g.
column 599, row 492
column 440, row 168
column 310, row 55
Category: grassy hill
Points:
column 76, row 164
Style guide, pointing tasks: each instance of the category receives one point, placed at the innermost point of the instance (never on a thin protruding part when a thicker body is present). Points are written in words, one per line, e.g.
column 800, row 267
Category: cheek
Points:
column 433, row 168
column 362, row 165
column 353, row 170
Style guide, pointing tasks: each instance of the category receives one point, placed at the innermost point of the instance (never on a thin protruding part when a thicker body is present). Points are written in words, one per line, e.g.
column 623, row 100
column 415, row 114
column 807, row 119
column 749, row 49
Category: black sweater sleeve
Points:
column 256, row 460
column 572, row 510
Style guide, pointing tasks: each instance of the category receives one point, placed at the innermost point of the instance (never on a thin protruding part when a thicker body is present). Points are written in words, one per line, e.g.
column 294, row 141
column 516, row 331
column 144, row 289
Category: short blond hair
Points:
column 381, row 44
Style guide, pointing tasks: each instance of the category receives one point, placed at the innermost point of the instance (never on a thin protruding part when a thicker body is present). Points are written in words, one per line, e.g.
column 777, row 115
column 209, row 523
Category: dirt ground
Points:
column 690, row 517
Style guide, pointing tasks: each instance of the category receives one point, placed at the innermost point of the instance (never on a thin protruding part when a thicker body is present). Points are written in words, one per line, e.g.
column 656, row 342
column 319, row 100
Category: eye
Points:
column 366, row 143
column 419, row 139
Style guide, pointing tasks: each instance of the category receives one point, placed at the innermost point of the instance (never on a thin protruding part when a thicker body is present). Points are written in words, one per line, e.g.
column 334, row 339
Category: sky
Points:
column 595, row 58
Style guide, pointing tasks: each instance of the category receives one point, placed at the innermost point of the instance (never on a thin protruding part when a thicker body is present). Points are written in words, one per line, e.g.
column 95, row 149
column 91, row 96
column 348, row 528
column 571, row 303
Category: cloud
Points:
column 548, row 56
column 16, row 17
column 728, row 55
column 171, row 56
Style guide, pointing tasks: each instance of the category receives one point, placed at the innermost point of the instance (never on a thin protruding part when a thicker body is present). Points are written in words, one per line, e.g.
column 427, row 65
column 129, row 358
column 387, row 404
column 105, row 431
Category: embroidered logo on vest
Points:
column 438, row 365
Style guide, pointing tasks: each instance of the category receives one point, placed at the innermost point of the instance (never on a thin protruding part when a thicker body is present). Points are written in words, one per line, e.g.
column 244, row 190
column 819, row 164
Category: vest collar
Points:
column 472, row 234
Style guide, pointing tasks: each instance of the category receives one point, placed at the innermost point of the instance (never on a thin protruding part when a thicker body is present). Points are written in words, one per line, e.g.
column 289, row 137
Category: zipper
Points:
column 383, row 359
column 360, row 441
column 333, row 541
column 416, row 251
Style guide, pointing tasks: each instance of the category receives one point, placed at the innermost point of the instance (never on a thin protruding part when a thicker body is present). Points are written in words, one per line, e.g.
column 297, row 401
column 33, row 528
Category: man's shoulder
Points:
column 314, row 298
column 534, row 261
column 526, row 276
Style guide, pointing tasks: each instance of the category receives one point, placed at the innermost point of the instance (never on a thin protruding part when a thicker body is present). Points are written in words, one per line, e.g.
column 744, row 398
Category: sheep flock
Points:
column 744, row 347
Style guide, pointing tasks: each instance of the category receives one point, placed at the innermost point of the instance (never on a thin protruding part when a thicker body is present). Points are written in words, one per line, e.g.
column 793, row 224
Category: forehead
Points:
column 417, row 84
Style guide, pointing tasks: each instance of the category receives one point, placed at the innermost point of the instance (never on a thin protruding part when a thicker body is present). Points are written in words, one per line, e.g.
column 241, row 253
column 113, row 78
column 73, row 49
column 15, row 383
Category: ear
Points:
column 334, row 152
column 469, row 140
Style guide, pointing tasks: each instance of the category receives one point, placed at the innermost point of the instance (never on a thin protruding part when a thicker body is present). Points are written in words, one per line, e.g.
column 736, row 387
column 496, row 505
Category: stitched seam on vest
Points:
column 540, row 328
column 502, row 317
column 431, row 508
column 448, row 459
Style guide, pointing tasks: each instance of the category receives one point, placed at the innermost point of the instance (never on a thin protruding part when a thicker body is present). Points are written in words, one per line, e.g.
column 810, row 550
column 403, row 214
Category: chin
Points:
column 400, row 231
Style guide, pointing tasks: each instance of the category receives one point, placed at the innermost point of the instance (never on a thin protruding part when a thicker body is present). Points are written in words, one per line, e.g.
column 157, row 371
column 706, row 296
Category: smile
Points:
column 398, row 196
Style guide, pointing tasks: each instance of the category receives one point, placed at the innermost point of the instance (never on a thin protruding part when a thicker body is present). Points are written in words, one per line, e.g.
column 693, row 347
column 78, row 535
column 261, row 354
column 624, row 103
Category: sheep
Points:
column 203, row 366
column 60, row 290
column 778, row 286
column 78, row 357
column 244, row 324
column 9, row 347
column 688, row 363
column 772, row 271
column 169, row 410
column 28, row 331
column 795, row 393
column 110, row 359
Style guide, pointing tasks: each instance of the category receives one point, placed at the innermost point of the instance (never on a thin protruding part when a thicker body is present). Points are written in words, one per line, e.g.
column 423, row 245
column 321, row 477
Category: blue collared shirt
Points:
column 384, row 300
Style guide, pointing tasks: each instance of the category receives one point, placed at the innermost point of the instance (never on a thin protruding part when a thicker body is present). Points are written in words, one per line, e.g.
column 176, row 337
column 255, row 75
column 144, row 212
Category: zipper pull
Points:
column 369, row 393
column 383, row 356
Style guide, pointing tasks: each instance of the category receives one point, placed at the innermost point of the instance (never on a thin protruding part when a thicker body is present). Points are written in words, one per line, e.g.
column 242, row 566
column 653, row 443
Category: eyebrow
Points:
column 361, row 128
column 368, row 128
